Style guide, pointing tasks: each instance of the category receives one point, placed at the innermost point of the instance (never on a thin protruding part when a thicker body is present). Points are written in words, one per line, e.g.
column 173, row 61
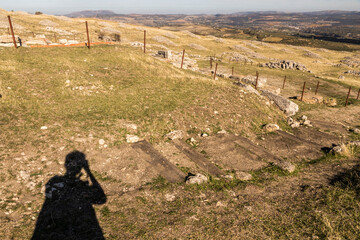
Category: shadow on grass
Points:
column 67, row 212
column 349, row 180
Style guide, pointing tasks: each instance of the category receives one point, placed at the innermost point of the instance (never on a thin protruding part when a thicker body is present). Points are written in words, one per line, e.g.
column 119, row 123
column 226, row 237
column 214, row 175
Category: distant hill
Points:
column 90, row 13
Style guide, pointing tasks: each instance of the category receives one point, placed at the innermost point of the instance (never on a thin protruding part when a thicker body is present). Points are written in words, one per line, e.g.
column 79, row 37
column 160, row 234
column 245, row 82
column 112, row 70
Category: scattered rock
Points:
column 243, row 176
column 177, row 134
column 303, row 120
column 338, row 149
column 252, row 80
column 137, row 44
column 44, row 128
column 24, row 175
column 248, row 208
column 170, row 197
column 229, row 177
column 287, row 166
column 355, row 143
column 247, row 87
column 130, row 126
column 271, row 127
column 101, row 142
column 355, row 130
column 290, row 108
column 222, row 132
column 132, row 138
column 196, row 179
column 331, row 102
column 293, row 123
column 220, row 204
column 311, row 100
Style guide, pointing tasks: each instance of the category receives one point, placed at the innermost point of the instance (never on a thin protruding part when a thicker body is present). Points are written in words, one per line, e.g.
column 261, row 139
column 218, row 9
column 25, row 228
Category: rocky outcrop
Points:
column 288, row 107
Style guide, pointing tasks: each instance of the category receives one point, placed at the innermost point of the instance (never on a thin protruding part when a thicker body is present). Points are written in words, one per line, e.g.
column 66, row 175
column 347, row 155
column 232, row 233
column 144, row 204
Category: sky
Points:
column 177, row 6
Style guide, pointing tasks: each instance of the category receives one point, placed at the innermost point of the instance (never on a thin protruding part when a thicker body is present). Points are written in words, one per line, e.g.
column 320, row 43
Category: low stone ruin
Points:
column 353, row 61
column 353, row 72
column 163, row 54
column 109, row 34
column 285, row 64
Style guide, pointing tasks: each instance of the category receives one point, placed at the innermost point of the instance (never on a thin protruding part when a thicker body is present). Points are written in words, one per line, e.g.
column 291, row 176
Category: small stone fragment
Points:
column 220, row 204
column 355, row 130
column 44, row 128
column 101, row 142
column 170, row 197
column 177, row 134
column 271, row 127
column 243, row 176
column 355, row 143
column 132, row 138
column 287, row 166
column 197, row 179
column 338, row 148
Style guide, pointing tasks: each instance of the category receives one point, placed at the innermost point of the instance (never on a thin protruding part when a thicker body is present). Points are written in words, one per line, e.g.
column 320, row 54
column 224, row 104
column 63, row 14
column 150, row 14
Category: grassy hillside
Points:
column 56, row 100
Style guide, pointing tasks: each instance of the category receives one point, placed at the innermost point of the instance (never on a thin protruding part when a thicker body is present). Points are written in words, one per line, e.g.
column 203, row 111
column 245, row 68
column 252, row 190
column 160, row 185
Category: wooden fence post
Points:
column 182, row 60
column 87, row 33
column 257, row 79
column 144, row 41
column 12, row 32
column 216, row 66
column 347, row 98
column 303, row 91
column 317, row 87
column 284, row 83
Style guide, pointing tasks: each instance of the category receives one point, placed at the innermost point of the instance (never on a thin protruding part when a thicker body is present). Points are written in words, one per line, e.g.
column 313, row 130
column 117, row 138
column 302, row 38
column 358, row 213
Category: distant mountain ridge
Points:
column 90, row 13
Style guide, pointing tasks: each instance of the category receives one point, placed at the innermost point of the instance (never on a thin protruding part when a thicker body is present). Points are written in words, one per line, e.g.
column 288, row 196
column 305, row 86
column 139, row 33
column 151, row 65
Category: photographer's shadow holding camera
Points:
column 67, row 212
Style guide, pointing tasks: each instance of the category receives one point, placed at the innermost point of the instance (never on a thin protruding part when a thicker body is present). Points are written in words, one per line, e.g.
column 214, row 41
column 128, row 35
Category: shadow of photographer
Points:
column 68, row 211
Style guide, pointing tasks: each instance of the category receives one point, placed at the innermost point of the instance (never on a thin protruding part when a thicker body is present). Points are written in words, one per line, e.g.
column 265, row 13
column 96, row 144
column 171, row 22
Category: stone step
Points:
column 203, row 163
column 165, row 168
